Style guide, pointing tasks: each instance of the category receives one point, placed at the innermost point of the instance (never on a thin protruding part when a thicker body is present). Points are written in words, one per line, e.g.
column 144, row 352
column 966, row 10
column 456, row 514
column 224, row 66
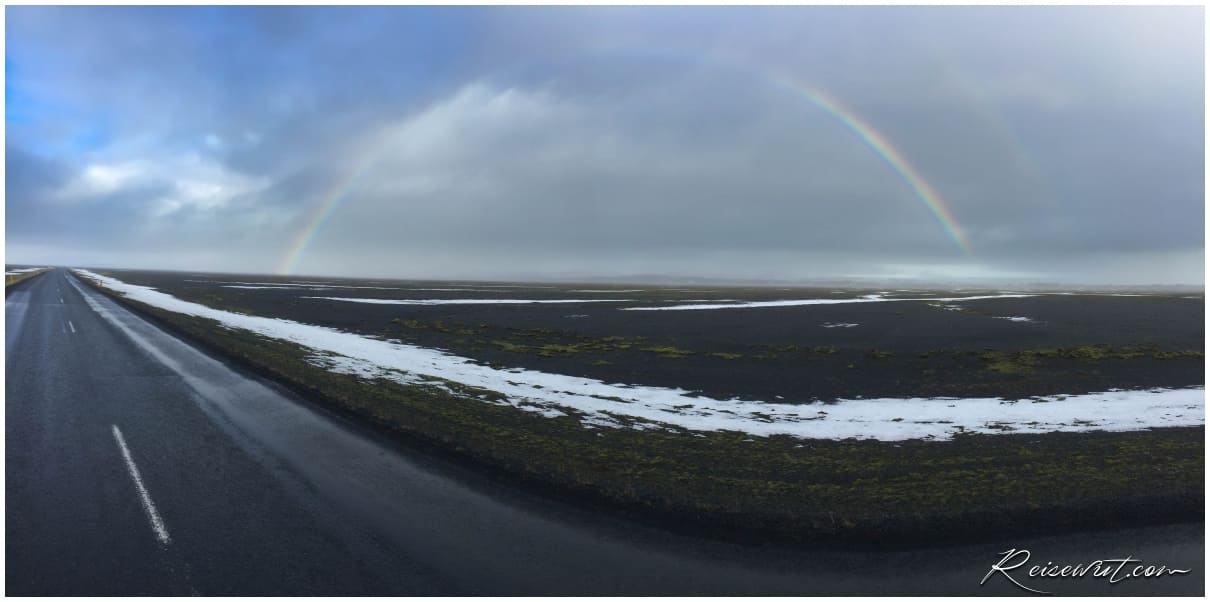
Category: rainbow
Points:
column 879, row 143
column 329, row 201
column 343, row 187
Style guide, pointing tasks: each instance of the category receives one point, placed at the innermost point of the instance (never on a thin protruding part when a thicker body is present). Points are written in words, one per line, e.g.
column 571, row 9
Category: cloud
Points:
column 486, row 142
column 182, row 183
column 100, row 180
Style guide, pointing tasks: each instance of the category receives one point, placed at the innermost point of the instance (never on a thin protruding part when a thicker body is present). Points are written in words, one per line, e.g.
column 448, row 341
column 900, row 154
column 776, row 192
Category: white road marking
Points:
column 157, row 523
column 73, row 326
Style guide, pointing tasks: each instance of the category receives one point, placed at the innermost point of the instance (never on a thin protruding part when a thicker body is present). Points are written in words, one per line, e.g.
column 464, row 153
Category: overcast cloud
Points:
column 551, row 142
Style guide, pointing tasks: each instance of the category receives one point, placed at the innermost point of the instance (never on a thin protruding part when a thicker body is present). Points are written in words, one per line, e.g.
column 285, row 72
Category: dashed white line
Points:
column 73, row 326
column 157, row 523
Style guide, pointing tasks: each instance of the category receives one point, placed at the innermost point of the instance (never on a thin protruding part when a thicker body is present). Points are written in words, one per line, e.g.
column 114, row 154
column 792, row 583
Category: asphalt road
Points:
column 137, row 464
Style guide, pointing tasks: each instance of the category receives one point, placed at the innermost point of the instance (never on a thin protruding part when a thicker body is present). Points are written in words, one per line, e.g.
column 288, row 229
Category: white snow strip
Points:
column 597, row 403
column 453, row 290
column 795, row 302
column 319, row 287
column 602, row 290
column 300, row 285
column 15, row 271
column 267, row 286
column 1014, row 318
column 466, row 301
column 379, row 288
column 838, row 325
column 520, row 286
column 157, row 523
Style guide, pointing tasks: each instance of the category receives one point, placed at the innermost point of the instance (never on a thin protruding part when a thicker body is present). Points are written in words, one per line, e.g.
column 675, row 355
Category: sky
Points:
column 1013, row 144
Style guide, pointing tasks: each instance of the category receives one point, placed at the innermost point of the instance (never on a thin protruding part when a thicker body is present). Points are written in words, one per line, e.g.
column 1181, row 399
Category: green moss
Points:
column 439, row 326
column 667, row 351
column 725, row 356
column 1026, row 360
column 1172, row 355
column 1009, row 363
column 511, row 347
column 552, row 349
column 1087, row 352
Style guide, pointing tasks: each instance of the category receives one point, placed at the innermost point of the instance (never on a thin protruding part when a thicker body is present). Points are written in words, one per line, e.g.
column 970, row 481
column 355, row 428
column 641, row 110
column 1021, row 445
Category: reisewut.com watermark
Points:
column 1015, row 566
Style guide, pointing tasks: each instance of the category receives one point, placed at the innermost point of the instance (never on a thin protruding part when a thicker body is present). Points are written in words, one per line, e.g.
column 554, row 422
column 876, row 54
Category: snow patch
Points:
column 795, row 302
column 603, row 290
column 465, row 301
column 15, row 271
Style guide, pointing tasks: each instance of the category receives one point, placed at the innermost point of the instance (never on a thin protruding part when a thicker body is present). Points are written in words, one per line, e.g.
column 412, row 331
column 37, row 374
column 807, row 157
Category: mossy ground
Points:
column 1027, row 360
column 918, row 492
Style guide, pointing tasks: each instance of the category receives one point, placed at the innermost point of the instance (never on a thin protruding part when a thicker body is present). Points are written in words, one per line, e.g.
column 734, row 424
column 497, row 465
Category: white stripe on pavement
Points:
column 157, row 523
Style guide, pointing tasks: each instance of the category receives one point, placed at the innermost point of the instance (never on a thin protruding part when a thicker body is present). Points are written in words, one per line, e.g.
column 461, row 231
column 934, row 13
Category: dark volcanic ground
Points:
column 897, row 349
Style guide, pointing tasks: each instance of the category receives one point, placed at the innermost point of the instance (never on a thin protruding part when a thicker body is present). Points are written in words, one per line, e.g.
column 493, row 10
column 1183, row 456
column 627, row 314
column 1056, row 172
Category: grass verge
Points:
column 736, row 486
column 14, row 279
